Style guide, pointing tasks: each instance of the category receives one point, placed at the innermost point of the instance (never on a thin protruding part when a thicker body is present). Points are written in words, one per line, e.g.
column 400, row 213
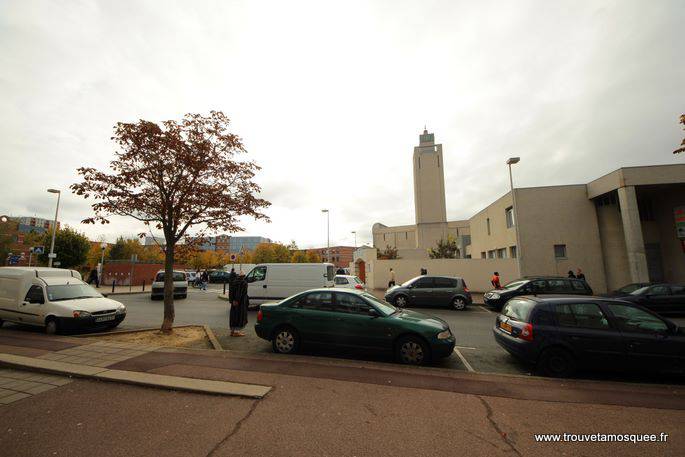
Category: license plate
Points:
column 104, row 318
column 504, row 326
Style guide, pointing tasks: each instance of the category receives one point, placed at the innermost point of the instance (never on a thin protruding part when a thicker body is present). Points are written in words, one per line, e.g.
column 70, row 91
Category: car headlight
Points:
column 81, row 314
column 121, row 309
column 444, row 335
column 494, row 295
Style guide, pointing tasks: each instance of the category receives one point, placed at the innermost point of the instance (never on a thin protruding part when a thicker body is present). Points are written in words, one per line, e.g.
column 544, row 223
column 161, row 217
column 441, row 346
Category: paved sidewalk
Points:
column 85, row 358
column 325, row 407
column 17, row 384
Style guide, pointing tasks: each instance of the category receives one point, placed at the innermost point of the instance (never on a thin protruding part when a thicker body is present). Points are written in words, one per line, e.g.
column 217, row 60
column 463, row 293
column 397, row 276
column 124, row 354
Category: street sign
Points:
column 38, row 250
column 233, row 257
column 57, row 263
column 679, row 213
column 52, row 256
column 14, row 259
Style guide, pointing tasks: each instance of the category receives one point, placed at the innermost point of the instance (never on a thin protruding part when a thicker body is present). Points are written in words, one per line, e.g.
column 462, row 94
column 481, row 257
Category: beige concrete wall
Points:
column 476, row 273
column 429, row 234
column 560, row 215
column 613, row 246
column 500, row 236
column 637, row 176
column 400, row 237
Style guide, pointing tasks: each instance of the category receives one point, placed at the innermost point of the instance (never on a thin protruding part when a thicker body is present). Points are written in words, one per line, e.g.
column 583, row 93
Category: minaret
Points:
column 429, row 181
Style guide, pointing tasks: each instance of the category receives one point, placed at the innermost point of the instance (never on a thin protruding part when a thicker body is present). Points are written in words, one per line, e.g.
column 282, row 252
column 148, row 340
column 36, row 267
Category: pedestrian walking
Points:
column 495, row 281
column 571, row 274
column 205, row 279
column 424, row 272
column 93, row 277
column 391, row 283
column 241, row 301
column 579, row 274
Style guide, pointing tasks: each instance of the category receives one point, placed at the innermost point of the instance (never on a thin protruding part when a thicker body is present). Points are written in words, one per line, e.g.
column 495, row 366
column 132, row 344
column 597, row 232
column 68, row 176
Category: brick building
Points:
column 340, row 256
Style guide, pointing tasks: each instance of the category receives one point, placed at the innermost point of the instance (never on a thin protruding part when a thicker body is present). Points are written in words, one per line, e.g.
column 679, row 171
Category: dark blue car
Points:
column 560, row 334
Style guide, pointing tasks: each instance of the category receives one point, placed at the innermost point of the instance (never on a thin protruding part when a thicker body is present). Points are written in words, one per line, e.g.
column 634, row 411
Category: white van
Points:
column 56, row 299
column 275, row 281
column 180, row 285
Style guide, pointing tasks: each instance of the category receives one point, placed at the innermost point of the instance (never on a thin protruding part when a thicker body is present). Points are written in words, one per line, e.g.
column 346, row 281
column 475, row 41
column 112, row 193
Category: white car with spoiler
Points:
column 56, row 299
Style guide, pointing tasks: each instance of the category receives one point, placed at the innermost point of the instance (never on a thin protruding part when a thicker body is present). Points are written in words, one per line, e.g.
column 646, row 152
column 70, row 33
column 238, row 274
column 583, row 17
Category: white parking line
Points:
column 463, row 360
column 485, row 309
column 465, row 347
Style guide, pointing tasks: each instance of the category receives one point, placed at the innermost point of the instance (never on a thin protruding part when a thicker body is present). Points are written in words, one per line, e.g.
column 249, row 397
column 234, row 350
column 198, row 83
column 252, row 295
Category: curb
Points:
column 179, row 383
column 212, row 338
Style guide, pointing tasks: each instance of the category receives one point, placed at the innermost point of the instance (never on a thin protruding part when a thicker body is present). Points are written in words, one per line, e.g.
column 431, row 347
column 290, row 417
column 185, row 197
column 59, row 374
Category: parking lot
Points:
column 476, row 349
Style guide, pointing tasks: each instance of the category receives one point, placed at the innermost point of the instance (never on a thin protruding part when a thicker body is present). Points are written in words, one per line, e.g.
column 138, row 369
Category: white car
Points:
column 348, row 282
column 56, row 299
column 180, row 285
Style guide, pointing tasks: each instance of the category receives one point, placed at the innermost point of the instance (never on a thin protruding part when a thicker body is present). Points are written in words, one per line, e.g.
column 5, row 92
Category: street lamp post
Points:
column 328, row 234
column 103, row 246
column 52, row 255
column 512, row 161
column 355, row 239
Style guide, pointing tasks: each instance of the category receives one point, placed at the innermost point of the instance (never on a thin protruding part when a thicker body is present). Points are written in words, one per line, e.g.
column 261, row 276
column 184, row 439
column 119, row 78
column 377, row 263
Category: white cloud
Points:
column 330, row 98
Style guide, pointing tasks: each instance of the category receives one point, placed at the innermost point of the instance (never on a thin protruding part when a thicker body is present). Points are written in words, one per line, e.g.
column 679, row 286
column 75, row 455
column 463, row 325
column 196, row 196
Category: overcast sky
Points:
column 330, row 97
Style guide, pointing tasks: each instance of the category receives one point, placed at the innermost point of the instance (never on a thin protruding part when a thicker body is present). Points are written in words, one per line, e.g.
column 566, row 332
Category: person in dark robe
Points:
column 232, row 276
column 239, row 305
column 93, row 277
column 571, row 274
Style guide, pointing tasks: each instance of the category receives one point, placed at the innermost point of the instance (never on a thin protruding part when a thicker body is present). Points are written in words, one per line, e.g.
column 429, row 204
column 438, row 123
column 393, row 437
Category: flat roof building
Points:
column 619, row 228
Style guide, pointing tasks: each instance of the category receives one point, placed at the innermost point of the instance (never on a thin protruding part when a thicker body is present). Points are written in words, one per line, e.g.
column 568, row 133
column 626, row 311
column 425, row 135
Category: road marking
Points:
column 464, row 347
column 464, row 361
column 485, row 309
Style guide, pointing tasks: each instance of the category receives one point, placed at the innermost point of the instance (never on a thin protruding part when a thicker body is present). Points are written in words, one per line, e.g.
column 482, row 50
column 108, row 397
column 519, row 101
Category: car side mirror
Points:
column 410, row 286
column 373, row 312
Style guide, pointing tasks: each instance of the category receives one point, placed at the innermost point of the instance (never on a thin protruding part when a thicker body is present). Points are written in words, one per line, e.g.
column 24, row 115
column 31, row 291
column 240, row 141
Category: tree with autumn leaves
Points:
column 173, row 177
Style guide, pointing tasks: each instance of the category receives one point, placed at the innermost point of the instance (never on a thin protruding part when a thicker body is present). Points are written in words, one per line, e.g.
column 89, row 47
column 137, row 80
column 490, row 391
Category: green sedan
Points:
column 355, row 319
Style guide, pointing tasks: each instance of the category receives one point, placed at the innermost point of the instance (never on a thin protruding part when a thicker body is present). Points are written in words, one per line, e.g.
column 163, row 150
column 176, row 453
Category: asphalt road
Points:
column 476, row 348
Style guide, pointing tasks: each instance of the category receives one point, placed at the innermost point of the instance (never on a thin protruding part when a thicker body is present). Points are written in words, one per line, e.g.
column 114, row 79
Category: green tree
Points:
column 118, row 250
column 281, row 253
column 389, row 253
column 292, row 246
column 263, row 253
column 445, row 249
column 313, row 257
column 71, row 248
column 298, row 257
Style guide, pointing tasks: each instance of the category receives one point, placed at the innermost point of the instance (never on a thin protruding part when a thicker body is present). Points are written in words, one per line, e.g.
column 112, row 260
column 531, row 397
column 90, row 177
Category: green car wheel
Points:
column 285, row 341
column 412, row 350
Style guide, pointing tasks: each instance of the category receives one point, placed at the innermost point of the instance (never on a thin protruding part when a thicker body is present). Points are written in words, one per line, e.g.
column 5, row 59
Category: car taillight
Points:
column 358, row 286
column 526, row 332
column 260, row 315
column 466, row 289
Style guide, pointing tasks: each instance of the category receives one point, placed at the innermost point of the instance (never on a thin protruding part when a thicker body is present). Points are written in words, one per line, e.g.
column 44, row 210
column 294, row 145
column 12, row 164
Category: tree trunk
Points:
column 168, row 322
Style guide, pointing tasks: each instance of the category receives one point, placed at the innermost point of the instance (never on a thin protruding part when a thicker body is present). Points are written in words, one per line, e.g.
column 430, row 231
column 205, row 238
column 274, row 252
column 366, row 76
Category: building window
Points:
column 487, row 221
column 509, row 214
column 406, row 235
column 560, row 251
column 491, row 254
column 384, row 237
column 482, row 255
column 512, row 252
column 502, row 253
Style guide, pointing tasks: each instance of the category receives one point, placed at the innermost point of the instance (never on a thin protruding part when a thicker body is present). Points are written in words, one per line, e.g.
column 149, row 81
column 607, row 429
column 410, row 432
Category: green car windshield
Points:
column 383, row 307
